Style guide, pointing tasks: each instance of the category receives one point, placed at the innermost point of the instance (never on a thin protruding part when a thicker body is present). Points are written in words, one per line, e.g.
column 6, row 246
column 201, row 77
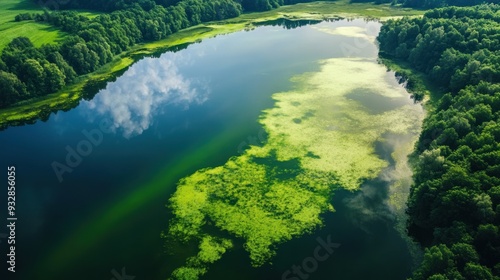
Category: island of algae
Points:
column 319, row 139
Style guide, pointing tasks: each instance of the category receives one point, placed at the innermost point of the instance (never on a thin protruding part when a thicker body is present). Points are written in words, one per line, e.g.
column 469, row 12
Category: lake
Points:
column 264, row 147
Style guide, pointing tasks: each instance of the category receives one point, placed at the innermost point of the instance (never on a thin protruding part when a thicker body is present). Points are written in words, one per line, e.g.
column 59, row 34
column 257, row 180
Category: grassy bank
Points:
column 41, row 108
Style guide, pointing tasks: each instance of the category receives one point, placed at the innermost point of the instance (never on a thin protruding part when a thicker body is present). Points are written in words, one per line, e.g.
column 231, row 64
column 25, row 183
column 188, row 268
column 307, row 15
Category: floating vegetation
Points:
column 319, row 139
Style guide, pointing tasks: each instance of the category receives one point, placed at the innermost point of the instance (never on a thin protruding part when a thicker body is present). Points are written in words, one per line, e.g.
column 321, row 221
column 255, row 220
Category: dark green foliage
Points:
column 107, row 5
column 37, row 75
column 441, row 3
column 3, row 66
column 147, row 5
column 25, row 16
column 449, row 44
column 455, row 200
column 11, row 88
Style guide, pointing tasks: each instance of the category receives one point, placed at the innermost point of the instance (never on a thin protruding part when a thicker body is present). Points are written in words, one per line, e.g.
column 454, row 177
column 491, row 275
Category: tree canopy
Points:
column 454, row 204
column 114, row 5
column 441, row 3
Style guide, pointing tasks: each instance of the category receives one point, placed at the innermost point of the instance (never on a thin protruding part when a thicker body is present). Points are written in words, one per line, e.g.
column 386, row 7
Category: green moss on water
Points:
column 262, row 204
column 342, row 133
column 276, row 192
column 211, row 250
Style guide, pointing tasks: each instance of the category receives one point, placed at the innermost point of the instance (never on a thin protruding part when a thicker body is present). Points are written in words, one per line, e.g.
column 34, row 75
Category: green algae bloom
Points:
column 319, row 139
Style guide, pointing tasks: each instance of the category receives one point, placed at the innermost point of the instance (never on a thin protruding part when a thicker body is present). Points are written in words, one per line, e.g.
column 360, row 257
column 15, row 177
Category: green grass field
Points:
column 38, row 33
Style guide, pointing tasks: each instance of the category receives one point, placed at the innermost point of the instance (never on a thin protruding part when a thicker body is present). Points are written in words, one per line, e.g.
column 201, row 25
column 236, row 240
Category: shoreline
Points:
column 86, row 86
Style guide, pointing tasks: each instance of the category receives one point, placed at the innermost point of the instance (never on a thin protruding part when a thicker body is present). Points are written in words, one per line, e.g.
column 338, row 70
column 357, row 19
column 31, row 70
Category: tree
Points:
column 20, row 43
column 33, row 76
column 68, row 72
column 54, row 78
column 464, row 253
column 79, row 56
column 11, row 89
column 437, row 260
column 3, row 66
column 477, row 272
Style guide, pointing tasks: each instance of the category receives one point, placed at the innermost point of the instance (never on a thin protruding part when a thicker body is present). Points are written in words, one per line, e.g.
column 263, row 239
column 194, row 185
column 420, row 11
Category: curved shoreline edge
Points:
column 41, row 108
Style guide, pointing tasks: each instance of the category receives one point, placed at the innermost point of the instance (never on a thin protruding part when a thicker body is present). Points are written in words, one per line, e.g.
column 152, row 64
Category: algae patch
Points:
column 319, row 139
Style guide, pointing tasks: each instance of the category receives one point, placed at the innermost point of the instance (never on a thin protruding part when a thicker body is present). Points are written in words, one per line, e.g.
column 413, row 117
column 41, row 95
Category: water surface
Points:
column 169, row 116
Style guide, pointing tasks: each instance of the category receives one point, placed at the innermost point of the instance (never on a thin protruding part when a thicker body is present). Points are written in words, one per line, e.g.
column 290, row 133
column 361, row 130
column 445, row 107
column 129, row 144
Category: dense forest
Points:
column 113, row 5
column 429, row 4
column 441, row 3
column 454, row 204
column 27, row 72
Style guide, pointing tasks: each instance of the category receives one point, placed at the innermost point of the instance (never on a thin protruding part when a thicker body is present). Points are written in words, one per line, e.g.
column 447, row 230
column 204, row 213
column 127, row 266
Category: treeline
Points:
column 430, row 4
column 441, row 3
column 26, row 71
column 454, row 204
column 113, row 5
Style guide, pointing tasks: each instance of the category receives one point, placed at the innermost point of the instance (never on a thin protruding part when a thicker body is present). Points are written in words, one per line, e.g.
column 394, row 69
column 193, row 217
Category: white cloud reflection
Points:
column 132, row 101
column 363, row 29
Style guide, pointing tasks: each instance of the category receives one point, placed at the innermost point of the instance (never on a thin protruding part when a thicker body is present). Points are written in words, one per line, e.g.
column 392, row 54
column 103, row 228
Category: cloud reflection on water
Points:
column 143, row 91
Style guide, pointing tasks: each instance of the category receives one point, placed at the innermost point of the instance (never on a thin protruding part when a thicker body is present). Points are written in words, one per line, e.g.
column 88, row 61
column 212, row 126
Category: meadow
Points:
column 38, row 33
